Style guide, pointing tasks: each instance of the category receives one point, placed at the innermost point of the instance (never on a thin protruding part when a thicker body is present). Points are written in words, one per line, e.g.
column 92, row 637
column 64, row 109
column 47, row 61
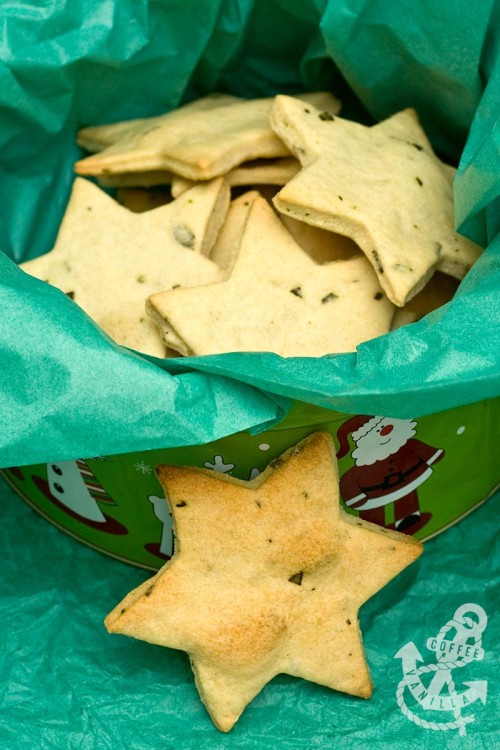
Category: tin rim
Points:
column 136, row 564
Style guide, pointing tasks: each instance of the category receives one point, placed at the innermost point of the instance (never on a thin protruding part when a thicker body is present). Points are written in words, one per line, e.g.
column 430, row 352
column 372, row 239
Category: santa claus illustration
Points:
column 389, row 467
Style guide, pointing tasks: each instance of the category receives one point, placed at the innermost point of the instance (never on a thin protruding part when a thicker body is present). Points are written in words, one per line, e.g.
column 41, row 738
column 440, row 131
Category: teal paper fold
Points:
column 102, row 396
column 67, row 683
column 65, row 389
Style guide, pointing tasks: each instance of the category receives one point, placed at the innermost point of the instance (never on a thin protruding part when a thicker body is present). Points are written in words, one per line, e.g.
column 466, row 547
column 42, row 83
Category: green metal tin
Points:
column 442, row 467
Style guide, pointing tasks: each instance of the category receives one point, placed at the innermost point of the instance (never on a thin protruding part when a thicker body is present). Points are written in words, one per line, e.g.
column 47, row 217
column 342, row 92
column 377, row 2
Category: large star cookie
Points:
column 267, row 578
column 277, row 299
column 197, row 144
column 109, row 259
column 382, row 186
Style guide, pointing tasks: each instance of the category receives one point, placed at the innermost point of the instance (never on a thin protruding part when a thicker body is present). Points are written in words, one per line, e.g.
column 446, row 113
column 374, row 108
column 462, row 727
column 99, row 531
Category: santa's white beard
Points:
column 376, row 447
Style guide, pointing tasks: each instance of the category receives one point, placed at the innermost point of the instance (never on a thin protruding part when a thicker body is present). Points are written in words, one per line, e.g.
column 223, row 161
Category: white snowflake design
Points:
column 142, row 467
column 219, row 465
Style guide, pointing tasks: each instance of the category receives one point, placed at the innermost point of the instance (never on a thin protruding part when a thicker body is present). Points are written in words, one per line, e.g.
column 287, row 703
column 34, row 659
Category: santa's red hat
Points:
column 349, row 427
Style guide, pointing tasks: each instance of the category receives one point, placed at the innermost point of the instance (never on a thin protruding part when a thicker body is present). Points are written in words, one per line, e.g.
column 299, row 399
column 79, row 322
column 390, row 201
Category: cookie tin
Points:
column 416, row 475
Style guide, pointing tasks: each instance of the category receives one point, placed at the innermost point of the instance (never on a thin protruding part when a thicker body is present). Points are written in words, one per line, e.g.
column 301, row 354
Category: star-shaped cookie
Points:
column 109, row 259
column 277, row 299
column 382, row 186
column 98, row 137
column 196, row 144
column 267, row 578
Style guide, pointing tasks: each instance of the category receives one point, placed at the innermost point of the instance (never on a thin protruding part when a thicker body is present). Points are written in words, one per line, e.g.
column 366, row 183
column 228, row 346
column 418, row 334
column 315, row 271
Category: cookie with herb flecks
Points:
column 267, row 577
column 198, row 145
column 109, row 259
column 382, row 186
column 277, row 299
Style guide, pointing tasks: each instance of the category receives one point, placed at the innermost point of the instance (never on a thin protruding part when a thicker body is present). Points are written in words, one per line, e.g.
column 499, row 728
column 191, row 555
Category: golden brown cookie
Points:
column 267, row 578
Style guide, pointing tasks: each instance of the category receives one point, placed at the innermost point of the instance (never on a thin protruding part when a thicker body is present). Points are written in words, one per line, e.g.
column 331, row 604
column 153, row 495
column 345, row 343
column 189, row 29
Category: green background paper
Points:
column 66, row 391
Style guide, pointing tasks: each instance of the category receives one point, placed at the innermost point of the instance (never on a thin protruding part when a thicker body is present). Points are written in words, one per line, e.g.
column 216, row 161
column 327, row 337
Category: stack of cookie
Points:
column 257, row 225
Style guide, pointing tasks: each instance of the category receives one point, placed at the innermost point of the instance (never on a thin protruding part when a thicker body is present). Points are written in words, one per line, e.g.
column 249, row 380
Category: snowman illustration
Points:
column 73, row 487
column 390, row 465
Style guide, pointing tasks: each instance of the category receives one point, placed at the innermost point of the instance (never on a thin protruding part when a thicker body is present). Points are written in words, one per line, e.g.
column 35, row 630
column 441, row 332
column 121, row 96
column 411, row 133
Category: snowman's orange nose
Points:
column 387, row 429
